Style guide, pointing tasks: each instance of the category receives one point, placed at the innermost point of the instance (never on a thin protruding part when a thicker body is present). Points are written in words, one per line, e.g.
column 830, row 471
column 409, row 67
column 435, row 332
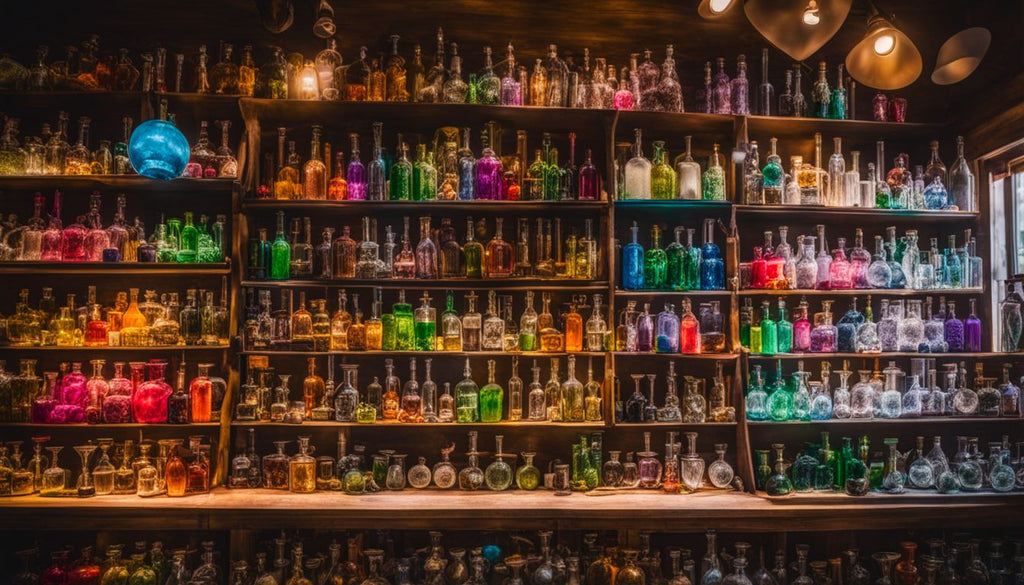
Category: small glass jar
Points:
column 395, row 479
column 419, row 475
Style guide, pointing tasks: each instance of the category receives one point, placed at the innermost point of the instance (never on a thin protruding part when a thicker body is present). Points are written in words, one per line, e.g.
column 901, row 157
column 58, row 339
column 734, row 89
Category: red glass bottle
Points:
column 200, row 395
column 758, row 269
column 85, row 572
column 56, row 573
column 149, row 404
column 689, row 330
column 72, row 242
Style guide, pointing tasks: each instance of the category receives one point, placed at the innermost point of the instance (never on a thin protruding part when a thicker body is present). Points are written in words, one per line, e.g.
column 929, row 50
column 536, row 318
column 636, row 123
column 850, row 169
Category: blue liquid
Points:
column 633, row 267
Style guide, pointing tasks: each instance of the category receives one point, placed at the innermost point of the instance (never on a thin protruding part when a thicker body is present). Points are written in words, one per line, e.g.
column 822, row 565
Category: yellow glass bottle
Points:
column 302, row 470
column 313, row 388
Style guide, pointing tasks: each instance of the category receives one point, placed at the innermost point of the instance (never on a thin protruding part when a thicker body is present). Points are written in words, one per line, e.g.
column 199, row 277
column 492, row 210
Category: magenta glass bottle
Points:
column 117, row 405
column 72, row 242
column 42, row 405
column 488, row 175
column 839, row 273
column 590, row 179
column 56, row 573
column 801, row 330
column 355, row 173
column 150, row 402
column 72, row 397
column 50, row 247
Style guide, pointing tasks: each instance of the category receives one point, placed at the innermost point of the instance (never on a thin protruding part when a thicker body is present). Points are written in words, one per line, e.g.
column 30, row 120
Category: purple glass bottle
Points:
column 590, row 179
column 668, row 330
column 972, row 329
column 954, row 329
column 355, row 173
column 488, row 174
column 645, row 330
column 824, row 335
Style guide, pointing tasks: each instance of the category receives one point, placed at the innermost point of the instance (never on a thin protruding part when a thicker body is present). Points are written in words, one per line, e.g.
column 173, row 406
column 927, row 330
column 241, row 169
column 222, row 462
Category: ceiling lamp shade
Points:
column 960, row 55
column 711, row 9
column 795, row 27
column 885, row 58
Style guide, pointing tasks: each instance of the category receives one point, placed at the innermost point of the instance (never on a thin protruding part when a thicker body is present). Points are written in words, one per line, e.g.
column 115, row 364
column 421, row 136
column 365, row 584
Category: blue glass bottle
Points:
column 780, row 401
column 847, row 328
column 952, row 271
column 633, row 263
column 667, row 331
column 466, row 166
column 712, row 267
column 785, row 330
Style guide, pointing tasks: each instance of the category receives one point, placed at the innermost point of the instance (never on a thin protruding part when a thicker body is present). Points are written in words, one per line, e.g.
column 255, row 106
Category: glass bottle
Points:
column 649, row 466
column 355, row 172
column 713, row 180
column 961, row 180
column 712, row 266
column 471, row 477
column 638, row 171
column 467, row 397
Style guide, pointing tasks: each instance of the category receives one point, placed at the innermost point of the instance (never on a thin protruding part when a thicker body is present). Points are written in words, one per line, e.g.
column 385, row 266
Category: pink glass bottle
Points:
column 860, row 259
column 42, row 405
column 50, row 250
column 150, row 402
column 880, row 107
column 117, row 405
column 689, row 330
column 487, row 183
column 72, row 241
column 623, row 98
column 758, row 269
column 97, row 239
column 839, row 273
column 801, row 329
column 775, row 264
column 97, row 388
column 73, row 387
column 590, row 179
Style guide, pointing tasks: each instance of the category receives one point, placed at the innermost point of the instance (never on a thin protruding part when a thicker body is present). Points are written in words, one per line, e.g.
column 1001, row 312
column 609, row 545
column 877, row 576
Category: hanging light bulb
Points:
column 811, row 15
column 710, row 9
column 885, row 58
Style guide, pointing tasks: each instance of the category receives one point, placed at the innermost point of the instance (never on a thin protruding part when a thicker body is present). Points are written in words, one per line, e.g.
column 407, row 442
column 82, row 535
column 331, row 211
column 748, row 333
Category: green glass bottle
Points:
column 280, row 252
column 472, row 252
column 756, row 342
column 552, row 172
column 424, row 176
column 713, row 188
column 400, row 180
column 784, row 329
column 388, row 334
column 492, row 398
column 425, row 320
column 824, row 476
column 746, row 318
column 780, row 401
column 534, row 188
column 471, row 90
column 189, row 249
column 676, row 254
column 663, row 176
column 467, row 398
column 845, row 455
column 769, row 331
column 691, row 265
column 405, row 338
column 762, row 469
column 655, row 262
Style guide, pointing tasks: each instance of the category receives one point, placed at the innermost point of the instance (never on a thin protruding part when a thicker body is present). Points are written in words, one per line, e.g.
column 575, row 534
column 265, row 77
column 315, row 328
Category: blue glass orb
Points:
column 158, row 150
column 491, row 552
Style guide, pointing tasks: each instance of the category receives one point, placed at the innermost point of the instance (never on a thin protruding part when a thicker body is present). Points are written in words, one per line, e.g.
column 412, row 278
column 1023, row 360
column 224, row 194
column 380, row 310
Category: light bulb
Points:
column 811, row 14
column 884, row 44
column 719, row 6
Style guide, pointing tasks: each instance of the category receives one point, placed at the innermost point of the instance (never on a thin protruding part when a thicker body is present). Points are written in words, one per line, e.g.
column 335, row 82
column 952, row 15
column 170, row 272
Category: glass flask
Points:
column 649, row 466
column 444, row 474
column 778, row 484
column 498, row 476
column 471, row 477
column 961, row 180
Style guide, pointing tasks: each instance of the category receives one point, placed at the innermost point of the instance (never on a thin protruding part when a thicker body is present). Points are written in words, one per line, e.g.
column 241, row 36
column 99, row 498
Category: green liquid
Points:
column 492, row 400
column 426, row 336
column 527, row 342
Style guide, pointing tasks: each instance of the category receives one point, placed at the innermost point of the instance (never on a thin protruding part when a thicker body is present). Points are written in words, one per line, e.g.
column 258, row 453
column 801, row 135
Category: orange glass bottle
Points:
column 200, row 393
column 198, row 468
column 313, row 388
column 134, row 326
column 573, row 330
column 337, row 187
column 175, row 472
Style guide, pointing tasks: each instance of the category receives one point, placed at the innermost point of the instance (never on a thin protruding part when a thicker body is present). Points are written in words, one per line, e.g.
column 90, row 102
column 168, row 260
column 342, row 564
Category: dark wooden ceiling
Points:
column 610, row 28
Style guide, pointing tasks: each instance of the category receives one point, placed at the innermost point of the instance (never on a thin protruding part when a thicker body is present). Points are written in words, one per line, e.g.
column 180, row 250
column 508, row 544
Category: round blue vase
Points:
column 158, row 150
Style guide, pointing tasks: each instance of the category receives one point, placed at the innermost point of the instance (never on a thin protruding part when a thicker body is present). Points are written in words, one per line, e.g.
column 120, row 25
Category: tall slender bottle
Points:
column 355, row 172
column 765, row 92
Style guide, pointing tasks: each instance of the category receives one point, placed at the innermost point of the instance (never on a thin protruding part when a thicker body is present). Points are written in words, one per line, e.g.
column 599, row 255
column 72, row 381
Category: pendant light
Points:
column 798, row 28
column 711, row 9
column 960, row 55
column 885, row 58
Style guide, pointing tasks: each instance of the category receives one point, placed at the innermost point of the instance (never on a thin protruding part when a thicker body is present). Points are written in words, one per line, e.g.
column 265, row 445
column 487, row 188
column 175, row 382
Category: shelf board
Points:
column 117, row 349
column 888, row 421
column 418, row 206
column 678, row 356
column 102, row 426
column 909, row 497
column 429, row 354
column 883, row 292
column 392, row 424
column 79, row 183
column 511, row 284
column 761, row 127
column 674, row 293
column 883, row 355
column 111, row 268
column 728, row 511
column 840, row 212
column 670, row 204
column 670, row 425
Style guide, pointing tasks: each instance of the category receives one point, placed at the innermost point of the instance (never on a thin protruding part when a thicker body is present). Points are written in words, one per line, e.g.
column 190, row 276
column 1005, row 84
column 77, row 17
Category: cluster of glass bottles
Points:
column 387, row 399
column 50, row 153
column 1011, row 316
column 437, row 255
column 109, row 468
column 857, row 470
column 442, row 170
column 887, row 394
column 896, row 330
column 147, row 564
column 675, row 267
column 928, row 188
column 898, row 263
column 696, row 406
column 661, row 178
column 69, row 397
column 128, row 323
column 87, row 240
column 405, row 329
column 667, row 332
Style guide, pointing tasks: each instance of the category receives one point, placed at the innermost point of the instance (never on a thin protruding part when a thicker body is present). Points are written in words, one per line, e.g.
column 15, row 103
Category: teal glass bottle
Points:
column 467, row 398
column 655, row 262
column 769, row 332
column 778, row 483
column 400, row 179
column 804, row 469
column 801, row 394
column 633, row 263
column 280, row 252
column 757, row 398
column 691, row 263
column 824, row 476
column 676, row 255
column 780, row 401
column 405, row 339
column 784, row 328
column 492, row 398
column 188, row 251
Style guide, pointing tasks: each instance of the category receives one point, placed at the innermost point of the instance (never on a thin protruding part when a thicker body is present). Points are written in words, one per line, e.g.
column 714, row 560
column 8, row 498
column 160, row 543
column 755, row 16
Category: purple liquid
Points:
column 972, row 334
column 955, row 334
column 355, row 174
column 644, row 334
column 488, row 178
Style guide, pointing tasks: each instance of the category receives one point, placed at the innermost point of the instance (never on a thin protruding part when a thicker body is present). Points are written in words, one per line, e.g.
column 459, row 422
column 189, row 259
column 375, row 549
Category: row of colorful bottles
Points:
column 442, row 170
column 147, row 564
column 664, row 178
column 175, row 471
column 668, row 332
column 897, row 263
column 87, row 240
column 405, row 329
column 697, row 405
column 388, row 399
column 675, row 267
column 929, row 188
column 128, row 323
column 437, row 255
column 888, row 394
column 857, row 470
column 856, row 332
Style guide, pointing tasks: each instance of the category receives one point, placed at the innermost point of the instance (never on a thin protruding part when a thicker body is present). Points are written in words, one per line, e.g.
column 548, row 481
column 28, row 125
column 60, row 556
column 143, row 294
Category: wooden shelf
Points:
column 881, row 356
column 727, row 511
column 413, row 284
column 859, row 292
column 112, row 349
column 841, row 213
column 83, row 426
column 672, row 293
column 82, row 183
column 376, row 207
column 672, row 204
column 110, row 268
column 429, row 354
column 678, row 356
column 762, row 127
column 381, row 424
column 889, row 421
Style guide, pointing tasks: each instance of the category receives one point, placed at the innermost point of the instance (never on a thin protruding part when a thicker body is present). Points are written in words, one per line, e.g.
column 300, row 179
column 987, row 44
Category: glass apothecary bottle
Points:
column 498, row 476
